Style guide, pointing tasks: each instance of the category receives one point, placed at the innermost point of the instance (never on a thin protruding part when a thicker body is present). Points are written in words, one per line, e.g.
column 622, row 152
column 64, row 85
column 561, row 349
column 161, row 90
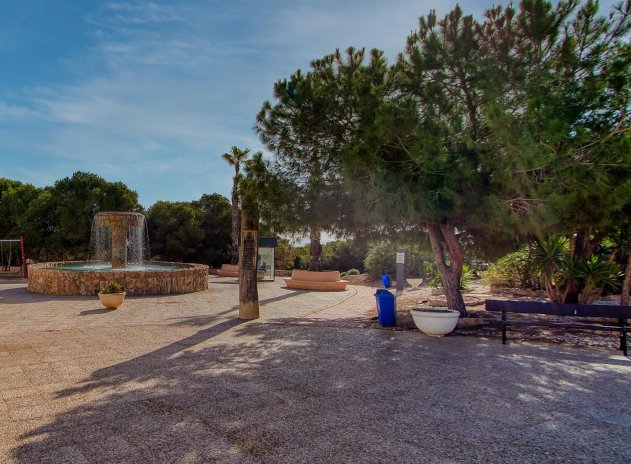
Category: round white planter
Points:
column 435, row 322
column 112, row 300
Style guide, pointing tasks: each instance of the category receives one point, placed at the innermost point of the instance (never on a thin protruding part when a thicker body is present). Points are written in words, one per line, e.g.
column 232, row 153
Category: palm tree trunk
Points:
column 236, row 232
column 315, row 251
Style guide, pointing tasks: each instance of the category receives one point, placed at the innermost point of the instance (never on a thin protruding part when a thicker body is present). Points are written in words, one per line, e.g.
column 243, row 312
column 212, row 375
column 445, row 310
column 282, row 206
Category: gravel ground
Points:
column 294, row 390
column 257, row 392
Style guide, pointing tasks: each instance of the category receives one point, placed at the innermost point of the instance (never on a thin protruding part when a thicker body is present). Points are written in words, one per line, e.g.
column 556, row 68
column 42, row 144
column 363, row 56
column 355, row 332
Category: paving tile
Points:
column 29, row 412
column 24, row 401
column 180, row 382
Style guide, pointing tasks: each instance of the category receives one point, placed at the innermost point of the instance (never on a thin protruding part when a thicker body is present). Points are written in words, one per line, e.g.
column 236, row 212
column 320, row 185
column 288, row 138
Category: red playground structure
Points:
column 13, row 258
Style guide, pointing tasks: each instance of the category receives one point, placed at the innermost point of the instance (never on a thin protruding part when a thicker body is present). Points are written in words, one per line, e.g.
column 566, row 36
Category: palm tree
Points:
column 234, row 158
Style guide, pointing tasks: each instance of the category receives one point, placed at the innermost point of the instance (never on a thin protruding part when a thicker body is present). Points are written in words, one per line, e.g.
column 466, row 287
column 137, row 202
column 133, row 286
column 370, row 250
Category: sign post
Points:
column 400, row 269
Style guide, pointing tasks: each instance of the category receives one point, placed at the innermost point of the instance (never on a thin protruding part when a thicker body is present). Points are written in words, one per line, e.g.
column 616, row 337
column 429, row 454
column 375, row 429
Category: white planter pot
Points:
column 435, row 322
column 112, row 300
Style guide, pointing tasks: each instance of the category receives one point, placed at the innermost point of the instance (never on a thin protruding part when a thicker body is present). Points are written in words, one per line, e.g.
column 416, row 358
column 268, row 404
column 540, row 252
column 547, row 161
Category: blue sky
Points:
column 151, row 93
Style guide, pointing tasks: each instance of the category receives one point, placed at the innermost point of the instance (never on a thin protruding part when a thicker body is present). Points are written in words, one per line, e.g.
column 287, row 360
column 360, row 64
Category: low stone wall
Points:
column 46, row 278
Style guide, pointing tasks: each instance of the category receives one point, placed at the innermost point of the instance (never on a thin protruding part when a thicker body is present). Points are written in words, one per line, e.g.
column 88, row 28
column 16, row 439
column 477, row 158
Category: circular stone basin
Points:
column 85, row 278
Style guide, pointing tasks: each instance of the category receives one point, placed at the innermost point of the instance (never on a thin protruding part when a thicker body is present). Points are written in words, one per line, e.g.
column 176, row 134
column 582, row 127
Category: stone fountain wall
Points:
column 48, row 279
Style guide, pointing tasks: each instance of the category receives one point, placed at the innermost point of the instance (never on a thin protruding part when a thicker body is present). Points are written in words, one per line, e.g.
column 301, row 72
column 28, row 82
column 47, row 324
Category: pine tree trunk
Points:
column 234, row 248
column 248, row 251
column 315, row 251
column 444, row 242
column 626, row 285
column 581, row 247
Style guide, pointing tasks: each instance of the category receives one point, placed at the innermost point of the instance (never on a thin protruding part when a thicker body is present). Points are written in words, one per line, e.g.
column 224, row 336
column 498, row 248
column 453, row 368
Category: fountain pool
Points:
column 119, row 246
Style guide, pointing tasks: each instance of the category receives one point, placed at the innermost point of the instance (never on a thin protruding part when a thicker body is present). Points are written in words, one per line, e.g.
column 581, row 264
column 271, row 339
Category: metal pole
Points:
column 400, row 268
column 24, row 265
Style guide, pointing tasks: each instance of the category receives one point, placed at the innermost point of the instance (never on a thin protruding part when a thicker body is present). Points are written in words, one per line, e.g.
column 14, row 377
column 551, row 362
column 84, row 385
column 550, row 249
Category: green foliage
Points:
column 466, row 279
column 552, row 256
column 381, row 259
column 337, row 255
column 175, row 231
column 15, row 198
column 302, row 189
column 198, row 231
column 284, row 257
column 343, row 274
column 57, row 220
column 301, row 257
column 598, row 275
column 57, row 224
column 495, row 129
column 113, row 287
column 564, row 273
column 236, row 157
column 215, row 220
column 353, row 272
column 514, row 270
column 344, row 254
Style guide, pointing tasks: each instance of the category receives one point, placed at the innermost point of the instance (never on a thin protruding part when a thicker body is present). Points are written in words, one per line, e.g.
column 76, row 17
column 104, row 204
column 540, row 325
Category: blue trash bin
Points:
column 385, row 278
column 386, row 313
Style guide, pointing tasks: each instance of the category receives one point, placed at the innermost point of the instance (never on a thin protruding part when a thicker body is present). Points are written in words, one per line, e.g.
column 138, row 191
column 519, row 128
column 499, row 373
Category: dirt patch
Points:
column 475, row 325
column 363, row 279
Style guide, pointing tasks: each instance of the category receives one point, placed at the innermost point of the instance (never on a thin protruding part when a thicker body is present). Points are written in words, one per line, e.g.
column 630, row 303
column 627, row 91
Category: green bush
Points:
column 466, row 278
column 381, row 259
column 514, row 270
column 353, row 272
column 598, row 276
column 343, row 274
column 344, row 254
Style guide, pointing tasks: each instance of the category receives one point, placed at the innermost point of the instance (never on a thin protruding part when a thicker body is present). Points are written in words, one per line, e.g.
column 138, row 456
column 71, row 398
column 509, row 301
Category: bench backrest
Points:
column 559, row 309
column 311, row 276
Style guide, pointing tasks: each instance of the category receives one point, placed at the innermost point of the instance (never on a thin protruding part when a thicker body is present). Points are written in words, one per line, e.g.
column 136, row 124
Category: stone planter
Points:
column 112, row 300
column 435, row 322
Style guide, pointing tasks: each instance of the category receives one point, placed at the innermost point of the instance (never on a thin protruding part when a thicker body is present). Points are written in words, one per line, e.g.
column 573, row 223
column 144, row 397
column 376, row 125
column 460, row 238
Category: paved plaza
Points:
column 180, row 379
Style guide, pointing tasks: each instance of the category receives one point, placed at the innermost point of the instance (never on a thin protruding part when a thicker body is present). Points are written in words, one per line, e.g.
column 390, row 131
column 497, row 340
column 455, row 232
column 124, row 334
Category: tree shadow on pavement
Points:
column 258, row 392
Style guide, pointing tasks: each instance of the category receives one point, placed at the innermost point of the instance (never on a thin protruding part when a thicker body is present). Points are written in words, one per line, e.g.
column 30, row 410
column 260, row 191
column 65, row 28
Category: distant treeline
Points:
column 56, row 221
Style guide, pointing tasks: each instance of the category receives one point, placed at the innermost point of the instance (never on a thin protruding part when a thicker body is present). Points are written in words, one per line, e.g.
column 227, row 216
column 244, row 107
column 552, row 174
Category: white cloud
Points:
column 12, row 112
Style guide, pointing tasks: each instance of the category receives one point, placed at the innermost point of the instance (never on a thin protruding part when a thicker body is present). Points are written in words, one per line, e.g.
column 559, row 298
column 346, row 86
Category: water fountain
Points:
column 110, row 232
column 118, row 244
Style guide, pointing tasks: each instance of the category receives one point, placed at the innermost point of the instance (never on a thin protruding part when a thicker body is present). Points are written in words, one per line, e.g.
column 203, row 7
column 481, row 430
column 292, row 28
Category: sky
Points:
column 151, row 93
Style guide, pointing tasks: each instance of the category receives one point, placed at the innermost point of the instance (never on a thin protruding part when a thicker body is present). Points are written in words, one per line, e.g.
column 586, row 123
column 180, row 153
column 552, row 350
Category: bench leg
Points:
column 623, row 336
column 504, row 328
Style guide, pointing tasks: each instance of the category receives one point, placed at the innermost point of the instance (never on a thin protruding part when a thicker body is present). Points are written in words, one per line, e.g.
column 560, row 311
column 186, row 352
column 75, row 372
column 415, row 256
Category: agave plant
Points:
column 598, row 274
column 551, row 253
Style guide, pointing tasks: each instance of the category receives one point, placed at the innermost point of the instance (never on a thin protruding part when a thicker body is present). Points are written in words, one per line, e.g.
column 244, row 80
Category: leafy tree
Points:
column 215, row 215
column 285, row 257
column 175, row 231
column 485, row 130
column 15, row 198
column 302, row 190
column 59, row 221
column 381, row 259
column 563, row 136
column 235, row 158
column 343, row 255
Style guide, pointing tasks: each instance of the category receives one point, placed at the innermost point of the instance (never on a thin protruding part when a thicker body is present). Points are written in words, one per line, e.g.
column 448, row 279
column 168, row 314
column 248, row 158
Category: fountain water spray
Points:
column 119, row 238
